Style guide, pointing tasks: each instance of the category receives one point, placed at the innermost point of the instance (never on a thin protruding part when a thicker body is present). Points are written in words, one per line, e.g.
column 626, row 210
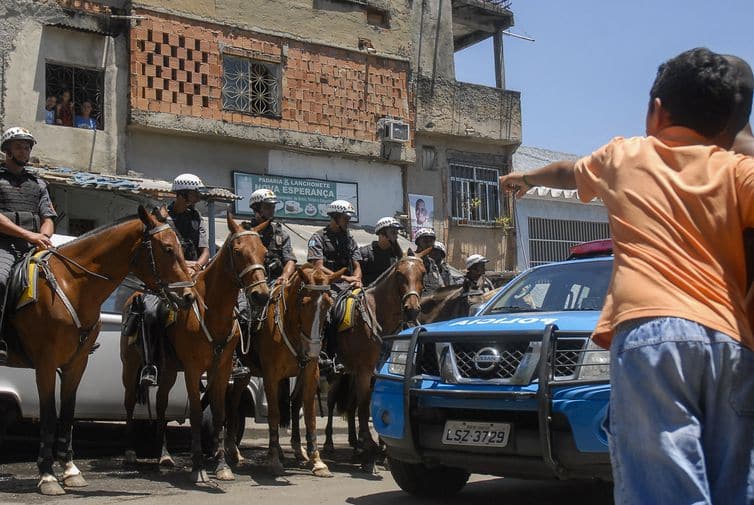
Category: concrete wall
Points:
column 160, row 155
column 337, row 23
column 550, row 208
column 461, row 240
column 36, row 44
column 432, row 39
column 380, row 184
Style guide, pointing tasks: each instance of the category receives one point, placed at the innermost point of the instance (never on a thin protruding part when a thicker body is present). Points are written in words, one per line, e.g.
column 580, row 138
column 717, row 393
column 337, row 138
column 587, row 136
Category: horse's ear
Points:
column 146, row 217
column 337, row 275
column 424, row 252
column 261, row 227
column 233, row 226
column 409, row 252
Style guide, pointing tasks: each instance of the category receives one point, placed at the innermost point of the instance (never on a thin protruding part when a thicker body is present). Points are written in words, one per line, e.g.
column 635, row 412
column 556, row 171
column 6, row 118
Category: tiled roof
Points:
column 154, row 188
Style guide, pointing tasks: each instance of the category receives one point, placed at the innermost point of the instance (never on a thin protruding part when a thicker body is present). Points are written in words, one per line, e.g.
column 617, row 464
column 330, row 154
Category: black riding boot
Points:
column 239, row 371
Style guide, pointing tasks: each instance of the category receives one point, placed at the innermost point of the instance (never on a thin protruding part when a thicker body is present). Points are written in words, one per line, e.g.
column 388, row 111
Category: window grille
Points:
column 474, row 194
column 85, row 85
column 251, row 87
column 551, row 239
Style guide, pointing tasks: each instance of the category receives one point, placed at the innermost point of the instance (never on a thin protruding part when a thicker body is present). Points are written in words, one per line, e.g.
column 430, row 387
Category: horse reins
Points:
column 165, row 289
column 249, row 268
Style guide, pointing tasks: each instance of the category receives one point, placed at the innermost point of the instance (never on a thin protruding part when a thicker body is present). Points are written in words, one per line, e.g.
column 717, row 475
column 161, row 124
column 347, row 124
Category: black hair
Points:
column 744, row 98
column 700, row 90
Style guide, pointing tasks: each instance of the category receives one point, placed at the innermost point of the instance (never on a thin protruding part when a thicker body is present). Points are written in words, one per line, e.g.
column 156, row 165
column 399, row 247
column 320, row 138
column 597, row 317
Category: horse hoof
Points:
column 167, row 462
column 129, row 458
column 75, row 481
column 301, row 457
column 328, row 449
column 225, row 474
column 199, row 477
column 321, row 470
column 51, row 488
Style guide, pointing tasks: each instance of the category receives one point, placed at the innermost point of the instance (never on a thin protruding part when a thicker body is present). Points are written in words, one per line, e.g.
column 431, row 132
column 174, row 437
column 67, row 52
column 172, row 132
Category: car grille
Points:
column 568, row 352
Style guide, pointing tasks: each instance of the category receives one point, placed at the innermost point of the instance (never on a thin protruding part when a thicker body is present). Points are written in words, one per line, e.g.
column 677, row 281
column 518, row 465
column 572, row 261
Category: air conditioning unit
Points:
column 396, row 131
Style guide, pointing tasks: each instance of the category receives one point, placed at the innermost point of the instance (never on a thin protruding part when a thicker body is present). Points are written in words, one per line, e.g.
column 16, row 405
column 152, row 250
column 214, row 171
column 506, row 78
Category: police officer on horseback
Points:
column 425, row 239
column 26, row 212
column 332, row 248
column 475, row 268
column 439, row 253
column 280, row 261
column 148, row 310
column 382, row 253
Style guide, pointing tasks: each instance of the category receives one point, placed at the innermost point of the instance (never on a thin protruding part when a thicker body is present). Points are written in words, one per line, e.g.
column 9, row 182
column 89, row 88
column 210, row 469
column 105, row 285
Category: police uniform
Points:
column 375, row 260
column 447, row 279
column 278, row 244
column 336, row 250
column 191, row 231
column 432, row 276
column 24, row 199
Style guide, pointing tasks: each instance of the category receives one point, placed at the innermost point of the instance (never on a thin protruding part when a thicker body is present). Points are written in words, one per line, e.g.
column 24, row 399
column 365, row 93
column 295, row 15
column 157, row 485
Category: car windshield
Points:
column 580, row 285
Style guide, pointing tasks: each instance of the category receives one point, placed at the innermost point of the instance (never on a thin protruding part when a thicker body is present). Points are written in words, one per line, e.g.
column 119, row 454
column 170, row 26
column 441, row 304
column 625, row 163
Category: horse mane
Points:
column 99, row 230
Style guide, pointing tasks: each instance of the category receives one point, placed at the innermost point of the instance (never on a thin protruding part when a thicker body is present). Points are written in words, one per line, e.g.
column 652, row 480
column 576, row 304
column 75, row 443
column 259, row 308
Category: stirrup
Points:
column 148, row 376
column 239, row 371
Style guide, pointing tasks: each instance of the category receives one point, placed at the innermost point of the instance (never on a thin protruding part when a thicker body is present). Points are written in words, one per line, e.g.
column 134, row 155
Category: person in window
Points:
column 64, row 113
column 85, row 120
column 475, row 273
column 51, row 106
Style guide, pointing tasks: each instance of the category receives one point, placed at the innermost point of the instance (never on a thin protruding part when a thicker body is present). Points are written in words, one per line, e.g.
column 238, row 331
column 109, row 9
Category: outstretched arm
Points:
column 555, row 175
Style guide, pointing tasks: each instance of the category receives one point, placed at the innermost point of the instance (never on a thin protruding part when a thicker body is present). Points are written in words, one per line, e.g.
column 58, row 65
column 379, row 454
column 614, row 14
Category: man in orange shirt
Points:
column 682, row 351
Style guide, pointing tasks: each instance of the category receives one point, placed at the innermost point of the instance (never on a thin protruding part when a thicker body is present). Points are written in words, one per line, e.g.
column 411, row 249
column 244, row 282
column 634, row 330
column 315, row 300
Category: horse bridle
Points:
column 165, row 289
column 303, row 360
column 249, row 268
column 409, row 294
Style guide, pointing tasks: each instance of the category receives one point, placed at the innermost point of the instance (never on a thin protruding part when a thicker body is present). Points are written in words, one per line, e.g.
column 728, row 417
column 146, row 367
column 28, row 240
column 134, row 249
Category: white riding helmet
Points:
column 386, row 222
column 340, row 207
column 474, row 259
column 187, row 182
column 441, row 247
column 424, row 232
column 16, row 133
column 263, row 195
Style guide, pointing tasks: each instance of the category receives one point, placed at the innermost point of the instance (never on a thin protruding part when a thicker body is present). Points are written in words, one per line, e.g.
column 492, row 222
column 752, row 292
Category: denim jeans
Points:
column 681, row 417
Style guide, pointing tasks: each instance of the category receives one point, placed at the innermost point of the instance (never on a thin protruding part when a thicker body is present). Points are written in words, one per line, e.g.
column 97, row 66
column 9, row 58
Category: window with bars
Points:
column 550, row 240
column 474, row 194
column 250, row 86
column 74, row 96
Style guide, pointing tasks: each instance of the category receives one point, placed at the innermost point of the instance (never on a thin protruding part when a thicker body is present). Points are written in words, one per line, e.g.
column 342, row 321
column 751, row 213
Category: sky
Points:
column 586, row 78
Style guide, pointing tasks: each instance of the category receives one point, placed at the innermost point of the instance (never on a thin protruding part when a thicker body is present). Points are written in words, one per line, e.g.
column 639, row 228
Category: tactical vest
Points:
column 432, row 278
column 375, row 261
column 336, row 249
column 19, row 199
column 272, row 238
column 187, row 233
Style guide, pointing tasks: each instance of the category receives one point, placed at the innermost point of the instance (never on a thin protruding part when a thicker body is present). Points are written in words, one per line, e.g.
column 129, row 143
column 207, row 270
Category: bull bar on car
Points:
column 545, row 365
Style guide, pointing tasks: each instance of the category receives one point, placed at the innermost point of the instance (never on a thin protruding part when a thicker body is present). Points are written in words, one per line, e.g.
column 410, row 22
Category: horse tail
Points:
column 284, row 401
column 344, row 393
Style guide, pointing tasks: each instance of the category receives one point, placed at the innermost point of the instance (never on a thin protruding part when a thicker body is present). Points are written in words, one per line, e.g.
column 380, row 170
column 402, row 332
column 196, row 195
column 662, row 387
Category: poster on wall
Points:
column 298, row 198
column 422, row 212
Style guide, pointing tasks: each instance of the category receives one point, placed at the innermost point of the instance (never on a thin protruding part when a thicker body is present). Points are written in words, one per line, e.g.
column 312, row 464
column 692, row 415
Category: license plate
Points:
column 476, row 433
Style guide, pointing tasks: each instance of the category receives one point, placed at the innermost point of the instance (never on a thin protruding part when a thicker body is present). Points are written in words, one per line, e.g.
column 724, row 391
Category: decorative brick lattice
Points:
column 176, row 67
column 85, row 5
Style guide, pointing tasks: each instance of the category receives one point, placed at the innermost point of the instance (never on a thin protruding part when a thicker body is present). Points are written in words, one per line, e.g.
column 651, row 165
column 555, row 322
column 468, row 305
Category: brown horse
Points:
column 288, row 345
column 58, row 331
column 202, row 339
column 393, row 301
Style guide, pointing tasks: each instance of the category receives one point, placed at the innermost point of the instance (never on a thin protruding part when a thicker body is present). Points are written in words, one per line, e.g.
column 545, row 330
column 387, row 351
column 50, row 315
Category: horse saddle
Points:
column 22, row 286
column 344, row 309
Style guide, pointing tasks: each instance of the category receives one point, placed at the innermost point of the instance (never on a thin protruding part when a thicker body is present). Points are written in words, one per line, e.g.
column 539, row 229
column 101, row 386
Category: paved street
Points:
column 100, row 458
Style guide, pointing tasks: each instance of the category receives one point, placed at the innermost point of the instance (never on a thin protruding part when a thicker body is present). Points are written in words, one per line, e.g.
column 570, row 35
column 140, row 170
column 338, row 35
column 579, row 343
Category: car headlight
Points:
column 596, row 363
column 397, row 358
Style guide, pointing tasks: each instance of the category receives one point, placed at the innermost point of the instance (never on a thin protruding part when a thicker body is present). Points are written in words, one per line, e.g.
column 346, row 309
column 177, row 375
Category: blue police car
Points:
column 518, row 390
